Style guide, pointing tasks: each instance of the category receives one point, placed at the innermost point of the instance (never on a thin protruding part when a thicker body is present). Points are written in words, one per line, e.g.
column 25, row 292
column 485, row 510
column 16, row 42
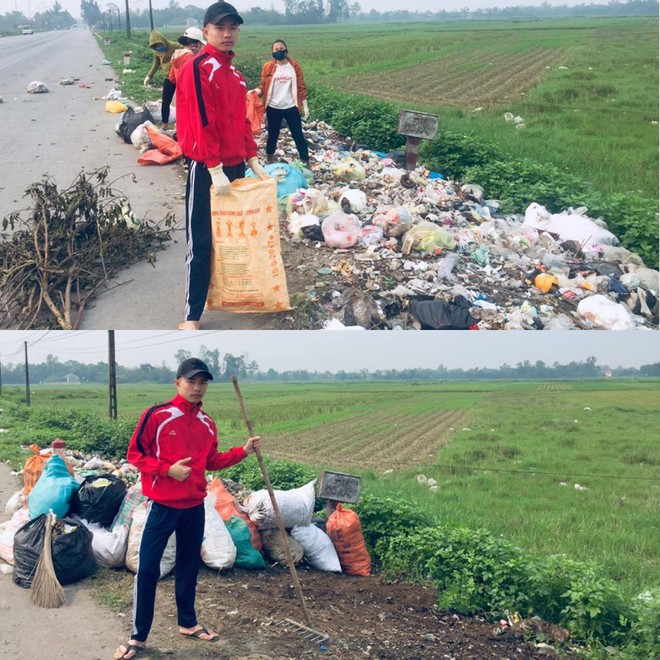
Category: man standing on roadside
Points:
column 173, row 445
column 215, row 136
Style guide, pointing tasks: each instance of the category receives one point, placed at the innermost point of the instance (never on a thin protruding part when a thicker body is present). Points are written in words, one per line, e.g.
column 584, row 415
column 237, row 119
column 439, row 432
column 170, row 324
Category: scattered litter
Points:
column 36, row 87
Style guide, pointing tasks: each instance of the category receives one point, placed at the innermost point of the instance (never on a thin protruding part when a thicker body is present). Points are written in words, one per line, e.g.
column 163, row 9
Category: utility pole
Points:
column 151, row 16
column 128, row 21
column 112, row 377
column 27, row 377
column 0, row 378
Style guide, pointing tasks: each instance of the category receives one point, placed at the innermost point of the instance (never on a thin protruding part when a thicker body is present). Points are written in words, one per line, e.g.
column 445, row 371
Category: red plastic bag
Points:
column 344, row 528
column 255, row 112
column 227, row 506
column 166, row 149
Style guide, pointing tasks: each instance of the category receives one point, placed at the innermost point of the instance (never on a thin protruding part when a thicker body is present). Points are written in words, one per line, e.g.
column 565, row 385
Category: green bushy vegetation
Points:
column 477, row 572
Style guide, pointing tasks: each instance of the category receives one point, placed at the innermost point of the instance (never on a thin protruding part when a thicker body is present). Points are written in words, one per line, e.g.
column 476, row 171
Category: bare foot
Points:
column 130, row 649
column 189, row 325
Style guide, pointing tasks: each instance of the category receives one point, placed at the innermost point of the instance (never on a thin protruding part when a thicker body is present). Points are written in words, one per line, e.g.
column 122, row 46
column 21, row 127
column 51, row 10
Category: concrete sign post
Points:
column 416, row 126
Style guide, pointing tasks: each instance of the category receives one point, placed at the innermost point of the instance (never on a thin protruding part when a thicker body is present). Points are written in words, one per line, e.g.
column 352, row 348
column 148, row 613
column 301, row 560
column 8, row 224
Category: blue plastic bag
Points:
column 53, row 490
column 288, row 178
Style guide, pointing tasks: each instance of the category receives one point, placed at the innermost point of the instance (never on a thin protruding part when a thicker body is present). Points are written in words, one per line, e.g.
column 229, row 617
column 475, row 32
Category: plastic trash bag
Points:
column 166, row 150
column 99, row 499
column 53, row 490
column 130, row 120
column 341, row 230
column 115, row 107
column 604, row 313
column 247, row 556
column 274, row 546
column 218, row 548
column 370, row 235
column 344, row 529
column 319, row 550
column 353, row 200
column 348, row 169
column 140, row 137
column 255, row 112
column 109, row 546
column 427, row 237
column 135, row 538
column 298, row 222
column 37, row 87
column 569, row 225
column 289, row 179
column 393, row 220
column 307, row 201
column 439, row 314
column 155, row 109
column 72, row 554
column 296, row 506
column 8, row 531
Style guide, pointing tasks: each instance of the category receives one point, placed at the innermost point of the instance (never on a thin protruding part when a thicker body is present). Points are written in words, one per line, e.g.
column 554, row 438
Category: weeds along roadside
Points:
column 480, row 147
column 475, row 570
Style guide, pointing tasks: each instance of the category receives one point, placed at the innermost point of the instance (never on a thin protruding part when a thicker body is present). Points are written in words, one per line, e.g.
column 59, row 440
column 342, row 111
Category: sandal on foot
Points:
column 128, row 648
column 202, row 631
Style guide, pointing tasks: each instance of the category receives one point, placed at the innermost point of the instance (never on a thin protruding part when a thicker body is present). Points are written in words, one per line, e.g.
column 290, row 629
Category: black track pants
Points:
column 292, row 116
column 198, row 234
column 162, row 521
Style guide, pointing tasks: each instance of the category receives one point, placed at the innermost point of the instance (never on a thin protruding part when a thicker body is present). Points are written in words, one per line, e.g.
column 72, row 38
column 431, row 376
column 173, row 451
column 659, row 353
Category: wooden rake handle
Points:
column 276, row 508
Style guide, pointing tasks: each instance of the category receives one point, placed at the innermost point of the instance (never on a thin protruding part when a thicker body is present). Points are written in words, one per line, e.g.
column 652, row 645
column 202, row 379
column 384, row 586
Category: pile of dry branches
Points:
column 64, row 248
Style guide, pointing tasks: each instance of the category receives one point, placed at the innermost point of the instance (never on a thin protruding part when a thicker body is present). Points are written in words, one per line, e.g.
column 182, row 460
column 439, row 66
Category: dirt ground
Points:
column 364, row 618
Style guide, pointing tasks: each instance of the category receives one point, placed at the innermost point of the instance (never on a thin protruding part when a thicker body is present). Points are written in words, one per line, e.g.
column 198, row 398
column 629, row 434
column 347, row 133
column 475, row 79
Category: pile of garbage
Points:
column 370, row 244
column 100, row 514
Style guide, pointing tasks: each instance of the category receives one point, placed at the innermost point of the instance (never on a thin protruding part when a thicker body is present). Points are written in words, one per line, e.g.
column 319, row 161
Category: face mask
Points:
column 279, row 54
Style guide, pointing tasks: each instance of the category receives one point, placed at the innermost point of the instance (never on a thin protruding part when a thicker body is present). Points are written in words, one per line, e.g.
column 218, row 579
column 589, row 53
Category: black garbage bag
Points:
column 73, row 558
column 130, row 120
column 99, row 498
column 439, row 314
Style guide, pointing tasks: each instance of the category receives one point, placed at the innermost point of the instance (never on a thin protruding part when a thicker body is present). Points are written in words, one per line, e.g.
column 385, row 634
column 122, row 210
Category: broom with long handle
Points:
column 303, row 630
column 46, row 590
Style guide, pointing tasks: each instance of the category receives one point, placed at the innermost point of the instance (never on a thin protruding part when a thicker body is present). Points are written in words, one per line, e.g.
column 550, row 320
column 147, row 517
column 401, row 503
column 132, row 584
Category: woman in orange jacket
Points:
column 284, row 97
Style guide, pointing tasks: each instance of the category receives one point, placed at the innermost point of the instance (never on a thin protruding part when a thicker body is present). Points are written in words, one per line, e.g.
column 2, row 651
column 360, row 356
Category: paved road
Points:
column 60, row 133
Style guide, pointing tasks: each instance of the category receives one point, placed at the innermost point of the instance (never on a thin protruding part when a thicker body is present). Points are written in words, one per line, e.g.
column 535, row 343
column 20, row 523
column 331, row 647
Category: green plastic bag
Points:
column 246, row 556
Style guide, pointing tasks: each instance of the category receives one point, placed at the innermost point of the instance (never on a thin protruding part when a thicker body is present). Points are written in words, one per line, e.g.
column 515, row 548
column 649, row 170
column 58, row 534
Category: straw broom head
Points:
column 46, row 590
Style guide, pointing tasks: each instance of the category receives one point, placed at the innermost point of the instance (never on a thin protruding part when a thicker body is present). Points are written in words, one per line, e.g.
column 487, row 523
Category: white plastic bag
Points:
column 109, row 547
column 296, row 506
column 604, row 313
column 15, row 502
column 140, row 137
column 354, row 198
column 319, row 549
column 8, row 530
column 218, row 549
column 341, row 230
column 135, row 538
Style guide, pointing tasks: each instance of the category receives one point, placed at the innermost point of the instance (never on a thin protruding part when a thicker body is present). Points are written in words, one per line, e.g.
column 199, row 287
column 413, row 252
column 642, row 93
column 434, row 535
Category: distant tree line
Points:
column 47, row 19
column 225, row 366
column 298, row 12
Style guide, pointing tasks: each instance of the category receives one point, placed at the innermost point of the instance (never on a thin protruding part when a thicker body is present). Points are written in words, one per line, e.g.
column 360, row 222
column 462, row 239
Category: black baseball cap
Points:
column 191, row 367
column 219, row 10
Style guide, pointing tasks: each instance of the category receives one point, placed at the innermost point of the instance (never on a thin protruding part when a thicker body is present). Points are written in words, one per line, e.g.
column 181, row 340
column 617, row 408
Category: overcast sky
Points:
column 350, row 350
column 73, row 6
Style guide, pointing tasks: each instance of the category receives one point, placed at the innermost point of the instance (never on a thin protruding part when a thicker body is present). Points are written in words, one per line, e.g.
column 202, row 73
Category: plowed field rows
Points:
column 366, row 441
column 463, row 81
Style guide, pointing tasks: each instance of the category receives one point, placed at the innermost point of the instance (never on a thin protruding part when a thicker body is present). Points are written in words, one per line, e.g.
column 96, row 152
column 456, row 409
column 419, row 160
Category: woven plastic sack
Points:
column 319, row 550
column 53, row 490
column 218, row 549
column 109, row 546
column 274, row 546
column 227, row 506
column 247, row 272
column 296, row 506
column 344, row 529
column 135, row 538
column 133, row 498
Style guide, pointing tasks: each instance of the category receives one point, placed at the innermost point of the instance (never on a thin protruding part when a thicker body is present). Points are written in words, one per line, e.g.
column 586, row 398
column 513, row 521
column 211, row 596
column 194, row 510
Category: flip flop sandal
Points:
column 131, row 647
column 202, row 631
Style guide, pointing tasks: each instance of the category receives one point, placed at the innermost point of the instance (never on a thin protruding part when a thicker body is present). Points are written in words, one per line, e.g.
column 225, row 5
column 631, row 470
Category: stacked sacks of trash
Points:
column 101, row 513
column 430, row 253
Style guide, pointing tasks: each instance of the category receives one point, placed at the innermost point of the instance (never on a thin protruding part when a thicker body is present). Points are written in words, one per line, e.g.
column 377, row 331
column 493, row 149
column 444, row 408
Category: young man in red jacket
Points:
column 173, row 445
column 215, row 136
